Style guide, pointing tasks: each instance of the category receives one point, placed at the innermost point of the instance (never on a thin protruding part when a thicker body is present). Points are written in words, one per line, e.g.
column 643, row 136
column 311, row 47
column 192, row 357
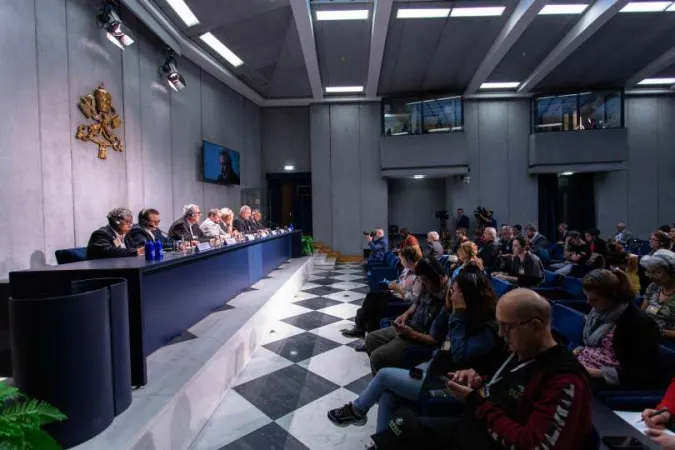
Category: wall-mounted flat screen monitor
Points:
column 221, row 165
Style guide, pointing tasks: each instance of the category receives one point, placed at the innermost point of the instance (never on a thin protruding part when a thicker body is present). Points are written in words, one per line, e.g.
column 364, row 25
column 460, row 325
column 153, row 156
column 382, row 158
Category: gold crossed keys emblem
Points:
column 98, row 107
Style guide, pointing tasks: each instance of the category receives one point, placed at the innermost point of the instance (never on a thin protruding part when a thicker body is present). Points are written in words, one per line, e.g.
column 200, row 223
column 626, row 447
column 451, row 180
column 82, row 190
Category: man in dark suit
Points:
column 108, row 241
column 489, row 251
column 187, row 227
column 256, row 220
column 147, row 228
column 562, row 233
column 462, row 220
column 538, row 241
column 243, row 223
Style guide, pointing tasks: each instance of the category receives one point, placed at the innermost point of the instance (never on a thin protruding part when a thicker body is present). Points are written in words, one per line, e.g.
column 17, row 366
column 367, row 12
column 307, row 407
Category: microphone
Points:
column 274, row 224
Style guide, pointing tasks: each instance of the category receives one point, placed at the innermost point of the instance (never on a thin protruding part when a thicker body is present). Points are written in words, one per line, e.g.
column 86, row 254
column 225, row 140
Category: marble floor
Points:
column 303, row 368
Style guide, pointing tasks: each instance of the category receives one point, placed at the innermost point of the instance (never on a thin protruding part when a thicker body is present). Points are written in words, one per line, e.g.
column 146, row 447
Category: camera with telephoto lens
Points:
column 369, row 233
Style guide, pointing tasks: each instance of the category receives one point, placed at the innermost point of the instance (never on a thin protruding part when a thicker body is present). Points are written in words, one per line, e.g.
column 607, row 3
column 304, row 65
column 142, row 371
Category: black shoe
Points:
column 345, row 416
column 354, row 332
column 361, row 347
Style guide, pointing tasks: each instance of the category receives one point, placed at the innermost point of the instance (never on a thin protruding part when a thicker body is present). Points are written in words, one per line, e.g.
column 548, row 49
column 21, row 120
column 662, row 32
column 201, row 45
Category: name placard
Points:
column 203, row 246
column 274, row 232
column 230, row 241
column 250, row 237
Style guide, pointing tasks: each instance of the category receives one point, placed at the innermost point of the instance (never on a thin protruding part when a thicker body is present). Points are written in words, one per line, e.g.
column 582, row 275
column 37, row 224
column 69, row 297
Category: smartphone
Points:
column 623, row 443
column 439, row 393
column 444, row 379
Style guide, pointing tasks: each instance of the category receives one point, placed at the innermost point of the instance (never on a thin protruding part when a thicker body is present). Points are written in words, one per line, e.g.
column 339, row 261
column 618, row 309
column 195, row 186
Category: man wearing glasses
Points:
column 108, row 241
column 538, row 398
column 187, row 227
column 147, row 228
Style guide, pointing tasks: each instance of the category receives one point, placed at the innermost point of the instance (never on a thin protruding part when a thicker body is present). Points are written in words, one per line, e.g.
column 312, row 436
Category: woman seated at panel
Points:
column 467, row 254
column 407, row 289
column 620, row 342
column 659, row 298
column 524, row 269
column 226, row 222
column 467, row 330
column 386, row 346
column 657, row 420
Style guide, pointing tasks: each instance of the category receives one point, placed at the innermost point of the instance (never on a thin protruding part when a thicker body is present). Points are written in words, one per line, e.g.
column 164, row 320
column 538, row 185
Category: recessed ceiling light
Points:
column 289, row 167
column 563, row 9
column 343, row 89
column 656, row 81
column 354, row 14
column 220, row 48
column 184, row 12
column 637, row 7
column 500, row 85
column 418, row 177
column 481, row 11
column 567, row 174
column 422, row 13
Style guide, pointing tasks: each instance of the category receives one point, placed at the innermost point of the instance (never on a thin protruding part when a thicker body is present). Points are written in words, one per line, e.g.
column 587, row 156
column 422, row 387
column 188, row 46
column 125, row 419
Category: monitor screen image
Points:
column 220, row 164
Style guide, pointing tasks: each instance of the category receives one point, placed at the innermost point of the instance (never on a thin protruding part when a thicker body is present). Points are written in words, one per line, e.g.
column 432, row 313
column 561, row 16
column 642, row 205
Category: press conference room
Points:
column 337, row 224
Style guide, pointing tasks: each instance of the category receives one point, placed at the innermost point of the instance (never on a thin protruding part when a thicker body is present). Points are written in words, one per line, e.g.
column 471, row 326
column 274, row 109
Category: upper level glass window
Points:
column 403, row 116
column 583, row 111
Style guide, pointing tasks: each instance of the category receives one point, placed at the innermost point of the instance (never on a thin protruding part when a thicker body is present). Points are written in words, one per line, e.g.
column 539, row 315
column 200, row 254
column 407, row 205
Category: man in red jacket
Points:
column 538, row 399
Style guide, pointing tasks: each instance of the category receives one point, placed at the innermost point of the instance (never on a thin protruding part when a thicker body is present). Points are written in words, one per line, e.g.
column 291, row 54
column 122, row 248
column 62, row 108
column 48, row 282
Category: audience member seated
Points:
column 671, row 235
column 539, row 397
column 467, row 255
column 386, row 346
column 466, row 326
column 657, row 240
column 243, row 223
column 595, row 243
column 462, row 220
column 433, row 247
column 524, row 268
column 577, row 252
column 187, row 227
column 378, row 247
column 489, row 252
column 659, row 298
column 460, row 238
column 665, row 229
column 211, row 226
column 407, row 240
column 256, row 220
column 517, row 230
column 629, row 264
column 620, row 342
column 622, row 235
column 108, row 241
column 657, row 420
column 408, row 288
column 226, row 221
column 616, row 255
column 478, row 237
column 147, row 228
column 538, row 241
column 506, row 241
column 562, row 234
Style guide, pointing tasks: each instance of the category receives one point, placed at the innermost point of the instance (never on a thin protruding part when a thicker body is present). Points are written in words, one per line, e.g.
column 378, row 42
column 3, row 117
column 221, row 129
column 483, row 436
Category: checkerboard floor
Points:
column 303, row 368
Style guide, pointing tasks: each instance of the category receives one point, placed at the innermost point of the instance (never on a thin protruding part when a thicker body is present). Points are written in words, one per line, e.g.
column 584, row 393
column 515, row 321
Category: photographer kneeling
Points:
column 378, row 246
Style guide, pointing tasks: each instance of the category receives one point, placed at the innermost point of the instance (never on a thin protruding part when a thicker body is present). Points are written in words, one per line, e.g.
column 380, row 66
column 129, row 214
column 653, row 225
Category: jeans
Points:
column 389, row 388
column 563, row 268
column 386, row 348
column 373, row 310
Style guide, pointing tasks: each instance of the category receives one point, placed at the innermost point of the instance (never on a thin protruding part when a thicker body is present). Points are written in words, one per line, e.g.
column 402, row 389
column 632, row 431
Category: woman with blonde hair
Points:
column 468, row 256
column 227, row 219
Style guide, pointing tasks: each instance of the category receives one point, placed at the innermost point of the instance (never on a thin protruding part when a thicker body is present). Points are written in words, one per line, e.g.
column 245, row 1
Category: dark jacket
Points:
column 102, row 245
column 539, row 242
column 599, row 246
column 137, row 236
column 242, row 225
column 489, row 253
column 255, row 225
column 463, row 222
column 636, row 344
column 378, row 247
column 433, row 249
column 180, row 229
column 548, row 406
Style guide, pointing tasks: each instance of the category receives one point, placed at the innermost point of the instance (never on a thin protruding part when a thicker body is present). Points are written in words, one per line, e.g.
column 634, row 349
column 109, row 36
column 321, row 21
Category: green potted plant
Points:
column 307, row 245
column 21, row 421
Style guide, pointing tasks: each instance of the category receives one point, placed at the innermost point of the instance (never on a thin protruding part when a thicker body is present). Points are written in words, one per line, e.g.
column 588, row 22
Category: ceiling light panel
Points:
column 483, row 11
column 343, row 89
column 422, row 13
column 220, row 48
column 549, row 10
column 656, row 81
column 638, row 7
column 353, row 14
column 672, row 8
column 500, row 85
column 184, row 12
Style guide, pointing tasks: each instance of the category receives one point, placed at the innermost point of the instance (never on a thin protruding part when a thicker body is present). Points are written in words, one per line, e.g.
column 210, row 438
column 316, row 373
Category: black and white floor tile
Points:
column 304, row 368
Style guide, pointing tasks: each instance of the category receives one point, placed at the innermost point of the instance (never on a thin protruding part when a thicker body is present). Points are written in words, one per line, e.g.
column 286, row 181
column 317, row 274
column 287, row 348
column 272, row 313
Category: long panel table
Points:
column 167, row 297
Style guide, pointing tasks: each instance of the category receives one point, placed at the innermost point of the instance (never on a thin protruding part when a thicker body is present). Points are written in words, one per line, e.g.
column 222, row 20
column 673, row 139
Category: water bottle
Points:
column 290, row 227
column 149, row 250
column 159, row 251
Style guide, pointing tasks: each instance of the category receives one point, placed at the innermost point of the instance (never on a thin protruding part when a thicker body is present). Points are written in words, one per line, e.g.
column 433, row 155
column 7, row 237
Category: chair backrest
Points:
column 666, row 361
column 573, row 286
column 568, row 324
column 70, row 255
column 552, row 279
column 501, row 287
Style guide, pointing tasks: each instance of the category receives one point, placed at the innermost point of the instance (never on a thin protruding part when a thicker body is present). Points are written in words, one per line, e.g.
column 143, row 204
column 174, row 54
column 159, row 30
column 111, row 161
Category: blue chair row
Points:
column 501, row 287
column 569, row 288
column 70, row 255
column 387, row 269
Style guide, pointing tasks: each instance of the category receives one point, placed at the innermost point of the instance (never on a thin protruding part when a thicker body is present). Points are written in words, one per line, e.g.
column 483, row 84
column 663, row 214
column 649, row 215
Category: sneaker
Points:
column 345, row 416
column 361, row 347
column 354, row 332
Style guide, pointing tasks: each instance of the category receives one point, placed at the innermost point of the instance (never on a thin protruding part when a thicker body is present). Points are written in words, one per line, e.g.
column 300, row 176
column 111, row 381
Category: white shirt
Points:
column 212, row 229
column 118, row 238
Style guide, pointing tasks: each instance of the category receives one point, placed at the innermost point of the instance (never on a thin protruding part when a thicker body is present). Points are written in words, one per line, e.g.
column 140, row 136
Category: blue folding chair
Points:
column 71, row 255
column 568, row 324
column 501, row 287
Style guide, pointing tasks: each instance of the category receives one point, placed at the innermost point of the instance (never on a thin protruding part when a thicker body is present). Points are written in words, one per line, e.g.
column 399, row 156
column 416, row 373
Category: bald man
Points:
column 538, row 398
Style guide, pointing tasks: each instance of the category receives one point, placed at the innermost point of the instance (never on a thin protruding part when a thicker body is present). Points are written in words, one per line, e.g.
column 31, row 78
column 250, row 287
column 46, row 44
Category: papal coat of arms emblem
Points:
column 98, row 107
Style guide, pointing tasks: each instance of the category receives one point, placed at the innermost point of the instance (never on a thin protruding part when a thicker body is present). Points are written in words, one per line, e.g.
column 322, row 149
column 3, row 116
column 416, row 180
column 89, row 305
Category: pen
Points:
column 660, row 411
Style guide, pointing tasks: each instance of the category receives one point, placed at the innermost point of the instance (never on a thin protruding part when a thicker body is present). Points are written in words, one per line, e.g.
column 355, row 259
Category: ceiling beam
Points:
column 378, row 38
column 523, row 15
column 652, row 68
column 302, row 13
column 594, row 18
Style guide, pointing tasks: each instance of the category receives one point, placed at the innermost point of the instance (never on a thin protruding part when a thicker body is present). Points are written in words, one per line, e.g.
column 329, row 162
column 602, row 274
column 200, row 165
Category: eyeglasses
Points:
column 508, row 326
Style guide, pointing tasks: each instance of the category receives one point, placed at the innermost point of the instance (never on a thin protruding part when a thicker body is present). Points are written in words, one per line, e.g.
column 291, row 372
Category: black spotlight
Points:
column 109, row 20
column 170, row 70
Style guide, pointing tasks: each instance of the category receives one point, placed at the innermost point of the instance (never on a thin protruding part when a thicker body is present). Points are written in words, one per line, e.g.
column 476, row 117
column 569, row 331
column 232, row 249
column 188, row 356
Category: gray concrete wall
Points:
column 56, row 192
